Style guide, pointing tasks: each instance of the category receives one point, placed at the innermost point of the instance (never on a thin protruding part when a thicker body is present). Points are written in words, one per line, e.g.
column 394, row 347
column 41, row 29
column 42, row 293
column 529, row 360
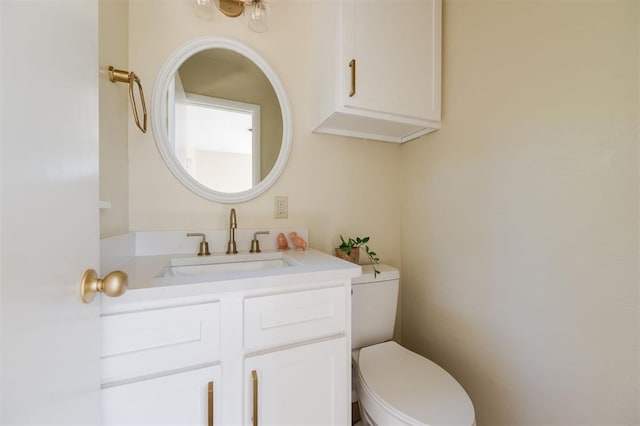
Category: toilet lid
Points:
column 412, row 387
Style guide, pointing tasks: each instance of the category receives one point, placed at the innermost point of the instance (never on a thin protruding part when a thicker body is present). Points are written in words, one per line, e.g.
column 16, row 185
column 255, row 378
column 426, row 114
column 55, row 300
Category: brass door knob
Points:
column 114, row 284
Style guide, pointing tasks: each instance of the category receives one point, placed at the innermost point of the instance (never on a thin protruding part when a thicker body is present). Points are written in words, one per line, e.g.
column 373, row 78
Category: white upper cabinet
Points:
column 377, row 68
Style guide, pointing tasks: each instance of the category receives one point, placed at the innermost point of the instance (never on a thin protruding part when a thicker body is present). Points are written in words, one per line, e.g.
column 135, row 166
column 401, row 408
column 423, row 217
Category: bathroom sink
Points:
column 224, row 264
column 210, row 268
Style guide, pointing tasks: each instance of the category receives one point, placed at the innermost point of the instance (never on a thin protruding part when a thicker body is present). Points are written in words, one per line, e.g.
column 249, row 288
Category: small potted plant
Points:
column 350, row 250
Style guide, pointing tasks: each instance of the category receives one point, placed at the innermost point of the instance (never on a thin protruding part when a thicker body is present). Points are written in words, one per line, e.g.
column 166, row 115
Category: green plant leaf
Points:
column 347, row 247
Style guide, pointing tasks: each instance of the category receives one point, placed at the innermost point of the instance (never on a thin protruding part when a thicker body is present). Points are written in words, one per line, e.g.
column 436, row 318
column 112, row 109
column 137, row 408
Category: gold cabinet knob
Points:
column 114, row 284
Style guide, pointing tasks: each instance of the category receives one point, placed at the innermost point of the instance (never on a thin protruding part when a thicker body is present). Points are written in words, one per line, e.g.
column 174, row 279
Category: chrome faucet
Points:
column 233, row 224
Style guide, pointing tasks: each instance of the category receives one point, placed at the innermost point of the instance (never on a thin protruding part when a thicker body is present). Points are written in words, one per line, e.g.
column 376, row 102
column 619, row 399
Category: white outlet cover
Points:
column 280, row 207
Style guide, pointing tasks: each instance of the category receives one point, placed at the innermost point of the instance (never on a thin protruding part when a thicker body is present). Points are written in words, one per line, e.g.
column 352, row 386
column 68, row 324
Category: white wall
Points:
column 520, row 216
column 212, row 168
column 335, row 185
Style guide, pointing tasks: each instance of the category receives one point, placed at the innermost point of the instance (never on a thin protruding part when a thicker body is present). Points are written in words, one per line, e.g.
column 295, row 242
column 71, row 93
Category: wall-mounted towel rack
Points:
column 131, row 78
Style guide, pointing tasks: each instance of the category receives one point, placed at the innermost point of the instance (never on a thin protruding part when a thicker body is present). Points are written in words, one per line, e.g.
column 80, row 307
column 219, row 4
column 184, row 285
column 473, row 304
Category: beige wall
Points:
column 335, row 185
column 114, row 116
column 520, row 216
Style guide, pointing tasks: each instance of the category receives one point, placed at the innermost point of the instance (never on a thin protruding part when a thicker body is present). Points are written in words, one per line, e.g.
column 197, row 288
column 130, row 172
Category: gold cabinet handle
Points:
column 114, row 284
column 254, row 419
column 352, row 65
column 210, row 403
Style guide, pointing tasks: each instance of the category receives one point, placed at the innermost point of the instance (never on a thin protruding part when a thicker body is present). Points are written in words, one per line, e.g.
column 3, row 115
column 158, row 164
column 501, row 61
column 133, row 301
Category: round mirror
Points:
column 221, row 120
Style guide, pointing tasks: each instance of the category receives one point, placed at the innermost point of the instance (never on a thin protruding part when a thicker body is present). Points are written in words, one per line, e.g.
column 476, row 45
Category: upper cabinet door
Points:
column 377, row 68
column 396, row 49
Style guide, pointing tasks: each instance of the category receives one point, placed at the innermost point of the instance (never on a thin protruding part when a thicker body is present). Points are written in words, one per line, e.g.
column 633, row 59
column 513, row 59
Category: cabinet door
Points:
column 306, row 385
column 185, row 398
column 396, row 48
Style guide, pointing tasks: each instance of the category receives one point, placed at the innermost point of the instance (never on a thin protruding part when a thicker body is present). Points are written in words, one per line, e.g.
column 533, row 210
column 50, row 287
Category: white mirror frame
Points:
column 159, row 118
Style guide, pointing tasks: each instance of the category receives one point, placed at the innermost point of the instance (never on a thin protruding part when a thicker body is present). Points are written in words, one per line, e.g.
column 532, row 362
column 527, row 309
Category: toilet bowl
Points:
column 394, row 385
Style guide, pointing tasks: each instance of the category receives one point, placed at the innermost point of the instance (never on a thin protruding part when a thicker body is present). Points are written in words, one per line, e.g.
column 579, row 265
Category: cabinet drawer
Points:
column 283, row 319
column 141, row 343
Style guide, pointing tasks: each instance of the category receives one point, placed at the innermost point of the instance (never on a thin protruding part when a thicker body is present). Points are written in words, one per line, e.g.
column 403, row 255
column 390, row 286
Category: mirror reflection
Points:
column 224, row 121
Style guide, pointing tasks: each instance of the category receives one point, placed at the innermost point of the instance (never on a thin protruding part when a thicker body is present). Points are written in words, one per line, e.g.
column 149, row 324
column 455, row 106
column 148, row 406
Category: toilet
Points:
column 393, row 385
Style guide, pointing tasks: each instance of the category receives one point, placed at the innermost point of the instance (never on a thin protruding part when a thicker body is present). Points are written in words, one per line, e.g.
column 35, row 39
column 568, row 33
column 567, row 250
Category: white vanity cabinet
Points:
column 285, row 349
column 377, row 68
column 161, row 366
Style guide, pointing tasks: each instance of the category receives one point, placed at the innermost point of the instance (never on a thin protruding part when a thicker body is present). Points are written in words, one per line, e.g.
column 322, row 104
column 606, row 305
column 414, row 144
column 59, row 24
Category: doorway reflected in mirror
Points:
column 223, row 121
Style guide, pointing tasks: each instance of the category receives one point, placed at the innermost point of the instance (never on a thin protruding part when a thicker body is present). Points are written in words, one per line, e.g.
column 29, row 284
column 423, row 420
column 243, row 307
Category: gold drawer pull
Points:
column 352, row 65
column 254, row 376
column 210, row 403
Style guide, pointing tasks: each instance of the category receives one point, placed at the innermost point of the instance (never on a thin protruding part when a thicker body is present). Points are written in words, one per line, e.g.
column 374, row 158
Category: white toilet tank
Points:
column 373, row 306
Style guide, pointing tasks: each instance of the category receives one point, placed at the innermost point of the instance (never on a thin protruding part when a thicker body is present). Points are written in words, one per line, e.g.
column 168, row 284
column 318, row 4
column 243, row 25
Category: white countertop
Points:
column 149, row 289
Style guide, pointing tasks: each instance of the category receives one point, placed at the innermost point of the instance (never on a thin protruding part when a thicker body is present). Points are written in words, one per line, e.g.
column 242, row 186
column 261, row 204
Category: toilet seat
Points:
column 399, row 386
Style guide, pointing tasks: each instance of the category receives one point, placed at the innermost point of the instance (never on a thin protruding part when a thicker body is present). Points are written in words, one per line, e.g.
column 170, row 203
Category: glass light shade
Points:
column 204, row 9
column 257, row 15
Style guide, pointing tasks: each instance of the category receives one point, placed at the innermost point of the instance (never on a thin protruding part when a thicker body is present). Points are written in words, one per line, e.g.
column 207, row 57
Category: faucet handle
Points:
column 204, row 245
column 255, row 244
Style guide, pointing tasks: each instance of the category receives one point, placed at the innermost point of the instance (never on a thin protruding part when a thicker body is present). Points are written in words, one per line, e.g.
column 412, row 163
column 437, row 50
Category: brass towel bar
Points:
column 131, row 78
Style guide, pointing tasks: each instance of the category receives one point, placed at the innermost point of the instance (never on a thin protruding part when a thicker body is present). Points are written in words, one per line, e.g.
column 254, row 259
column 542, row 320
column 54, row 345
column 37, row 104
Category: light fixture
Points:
column 257, row 15
column 255, row 11
column 204, row 9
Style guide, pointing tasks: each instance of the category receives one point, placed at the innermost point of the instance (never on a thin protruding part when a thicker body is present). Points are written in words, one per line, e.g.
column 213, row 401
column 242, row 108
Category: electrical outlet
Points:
column 280, row 207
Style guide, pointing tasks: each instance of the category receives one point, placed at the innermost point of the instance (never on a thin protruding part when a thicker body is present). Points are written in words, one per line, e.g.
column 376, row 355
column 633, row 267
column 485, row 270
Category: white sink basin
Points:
column 224, row 264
